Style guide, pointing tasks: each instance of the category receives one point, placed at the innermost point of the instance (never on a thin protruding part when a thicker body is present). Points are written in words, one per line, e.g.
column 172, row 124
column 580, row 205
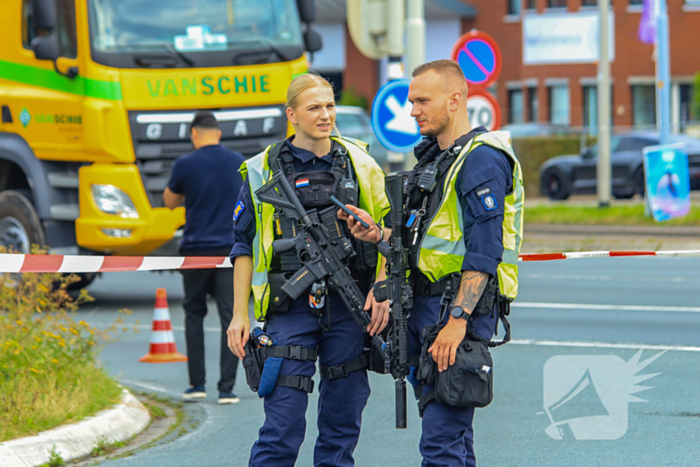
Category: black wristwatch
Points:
column 459, row 313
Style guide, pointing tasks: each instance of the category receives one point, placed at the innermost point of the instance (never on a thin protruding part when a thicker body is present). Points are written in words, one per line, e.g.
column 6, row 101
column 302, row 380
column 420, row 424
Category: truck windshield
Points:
column 187, row 28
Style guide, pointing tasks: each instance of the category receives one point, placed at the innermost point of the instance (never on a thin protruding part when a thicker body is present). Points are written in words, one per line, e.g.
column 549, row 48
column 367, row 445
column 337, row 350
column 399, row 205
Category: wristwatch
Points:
column 459, row 313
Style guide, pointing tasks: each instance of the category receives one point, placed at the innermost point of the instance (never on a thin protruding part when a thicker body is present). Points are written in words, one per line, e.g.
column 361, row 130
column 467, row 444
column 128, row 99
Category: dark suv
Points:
column 562, row 176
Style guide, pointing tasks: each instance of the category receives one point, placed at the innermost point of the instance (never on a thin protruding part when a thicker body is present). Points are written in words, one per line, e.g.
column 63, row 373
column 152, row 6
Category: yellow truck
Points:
column 96, row 99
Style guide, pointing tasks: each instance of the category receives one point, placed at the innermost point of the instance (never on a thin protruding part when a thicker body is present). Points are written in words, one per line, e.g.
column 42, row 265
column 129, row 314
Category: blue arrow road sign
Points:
column 391, row 117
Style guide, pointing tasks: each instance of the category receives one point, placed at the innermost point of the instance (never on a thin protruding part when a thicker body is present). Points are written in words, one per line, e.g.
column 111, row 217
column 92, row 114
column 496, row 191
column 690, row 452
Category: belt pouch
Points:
column 469, row 382
column 279, row 300
column 252, row 367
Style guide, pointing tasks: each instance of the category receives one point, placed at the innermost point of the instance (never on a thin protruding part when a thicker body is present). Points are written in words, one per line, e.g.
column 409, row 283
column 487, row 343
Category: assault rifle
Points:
column 397, row 289
column 322, row 260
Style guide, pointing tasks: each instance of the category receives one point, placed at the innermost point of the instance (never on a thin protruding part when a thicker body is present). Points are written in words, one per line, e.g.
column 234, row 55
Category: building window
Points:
column 590, row 108
column 644, row 105
column 530, row 4
column 686, row 91
column 636, row 2
column 559, row 105
column 556, row 3
column 515, row 106
column 514, row 7
column 692, row 2
column 589, row 3
column 533, row 105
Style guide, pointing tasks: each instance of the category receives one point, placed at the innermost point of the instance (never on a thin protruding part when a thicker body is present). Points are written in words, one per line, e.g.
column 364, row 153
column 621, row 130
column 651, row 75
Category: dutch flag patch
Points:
column 302, row 182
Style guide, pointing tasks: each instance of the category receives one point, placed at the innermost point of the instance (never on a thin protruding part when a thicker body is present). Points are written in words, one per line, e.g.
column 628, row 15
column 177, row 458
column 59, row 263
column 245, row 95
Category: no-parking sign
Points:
column 479, row 57
column 483, row 110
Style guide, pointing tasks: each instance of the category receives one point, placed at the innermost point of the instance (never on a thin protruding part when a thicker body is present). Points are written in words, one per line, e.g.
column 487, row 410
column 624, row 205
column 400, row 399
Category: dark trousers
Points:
column 448, row 436
column 198, row 284
column 340, row 403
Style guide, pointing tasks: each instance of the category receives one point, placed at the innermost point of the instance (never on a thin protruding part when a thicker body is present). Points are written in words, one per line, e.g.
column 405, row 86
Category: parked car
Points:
column 563, row 176
column 533, row 130
column 355, row 123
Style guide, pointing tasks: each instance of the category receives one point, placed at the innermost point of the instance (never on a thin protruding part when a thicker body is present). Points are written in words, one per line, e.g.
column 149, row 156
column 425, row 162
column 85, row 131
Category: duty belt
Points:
column 424, row 288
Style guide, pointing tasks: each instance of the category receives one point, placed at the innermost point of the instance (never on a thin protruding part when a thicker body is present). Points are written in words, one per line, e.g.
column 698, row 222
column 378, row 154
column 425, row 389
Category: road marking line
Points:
column 582, row 306
column 150, row 386
column 604, row 345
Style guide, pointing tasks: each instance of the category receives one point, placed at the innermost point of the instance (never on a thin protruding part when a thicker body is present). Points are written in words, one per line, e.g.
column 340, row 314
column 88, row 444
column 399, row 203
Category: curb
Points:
column 645, row 231
column 118, row 423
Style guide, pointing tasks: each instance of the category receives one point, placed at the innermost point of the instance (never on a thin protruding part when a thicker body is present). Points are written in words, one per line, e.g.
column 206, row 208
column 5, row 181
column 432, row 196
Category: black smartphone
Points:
column 337, row 202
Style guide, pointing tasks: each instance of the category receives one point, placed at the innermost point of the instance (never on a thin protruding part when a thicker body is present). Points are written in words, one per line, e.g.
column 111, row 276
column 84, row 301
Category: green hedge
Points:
column 533, row 152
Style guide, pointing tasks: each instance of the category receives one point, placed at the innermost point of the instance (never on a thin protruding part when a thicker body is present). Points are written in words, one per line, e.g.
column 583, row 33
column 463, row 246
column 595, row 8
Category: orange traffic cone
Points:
column 162, row 341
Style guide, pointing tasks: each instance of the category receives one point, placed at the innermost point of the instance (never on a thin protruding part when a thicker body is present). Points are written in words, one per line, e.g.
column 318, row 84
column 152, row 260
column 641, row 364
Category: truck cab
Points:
column 97, row 97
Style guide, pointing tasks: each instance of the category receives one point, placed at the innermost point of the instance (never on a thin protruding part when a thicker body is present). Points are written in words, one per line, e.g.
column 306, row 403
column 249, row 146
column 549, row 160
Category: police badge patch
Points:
column 238, row 210
column 489, row 202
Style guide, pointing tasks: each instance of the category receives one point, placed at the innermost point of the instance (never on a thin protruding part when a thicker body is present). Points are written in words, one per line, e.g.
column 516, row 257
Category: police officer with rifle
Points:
column 311, row 281
column 461, row 211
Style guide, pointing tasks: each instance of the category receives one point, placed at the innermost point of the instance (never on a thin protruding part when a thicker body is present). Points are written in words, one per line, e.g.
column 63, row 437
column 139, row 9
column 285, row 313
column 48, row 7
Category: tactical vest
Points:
column 441, row 248
column 257, row 170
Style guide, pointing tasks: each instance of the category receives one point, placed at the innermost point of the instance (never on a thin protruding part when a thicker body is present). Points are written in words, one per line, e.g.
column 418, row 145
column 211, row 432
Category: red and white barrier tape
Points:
column 14, row 263
column 601, row 254
column 86, row 264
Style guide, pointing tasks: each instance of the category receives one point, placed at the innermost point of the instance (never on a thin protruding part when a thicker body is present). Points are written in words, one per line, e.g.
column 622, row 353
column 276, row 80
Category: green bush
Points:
column 48, row 370
column 349, row 97
column 533, row 152
column 696, row 98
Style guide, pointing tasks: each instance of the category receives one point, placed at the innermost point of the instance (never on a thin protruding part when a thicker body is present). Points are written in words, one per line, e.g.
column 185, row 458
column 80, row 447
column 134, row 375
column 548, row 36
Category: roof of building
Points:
column 332, row 11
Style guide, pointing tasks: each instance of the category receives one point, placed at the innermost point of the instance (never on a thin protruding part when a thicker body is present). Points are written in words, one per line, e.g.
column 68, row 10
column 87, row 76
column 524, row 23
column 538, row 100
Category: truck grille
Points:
column 161, row 137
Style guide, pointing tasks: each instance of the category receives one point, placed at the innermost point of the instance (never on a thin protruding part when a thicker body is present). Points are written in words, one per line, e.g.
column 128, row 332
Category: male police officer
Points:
column 465, row 234
column 208, row 182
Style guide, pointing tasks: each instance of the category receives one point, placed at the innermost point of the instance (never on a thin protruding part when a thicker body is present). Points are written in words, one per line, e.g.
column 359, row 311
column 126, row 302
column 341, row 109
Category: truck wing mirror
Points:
column 44, row 12
column 46, row 48
column 307, row 10
column 313, row 41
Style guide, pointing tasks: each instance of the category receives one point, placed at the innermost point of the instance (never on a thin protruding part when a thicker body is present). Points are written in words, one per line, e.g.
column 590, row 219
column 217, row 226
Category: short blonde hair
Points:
column 303, row 82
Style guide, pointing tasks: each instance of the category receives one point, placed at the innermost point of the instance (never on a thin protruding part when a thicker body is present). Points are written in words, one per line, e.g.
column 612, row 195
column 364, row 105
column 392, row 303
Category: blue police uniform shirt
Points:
column 209, row 180
column 482, row 184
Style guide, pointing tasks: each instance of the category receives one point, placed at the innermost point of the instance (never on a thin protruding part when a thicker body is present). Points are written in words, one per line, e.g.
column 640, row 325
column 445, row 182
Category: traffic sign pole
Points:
column 604, row 168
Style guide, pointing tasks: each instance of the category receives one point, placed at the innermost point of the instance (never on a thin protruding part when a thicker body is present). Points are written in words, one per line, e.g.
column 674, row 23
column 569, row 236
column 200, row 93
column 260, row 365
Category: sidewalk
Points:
column 547, row 238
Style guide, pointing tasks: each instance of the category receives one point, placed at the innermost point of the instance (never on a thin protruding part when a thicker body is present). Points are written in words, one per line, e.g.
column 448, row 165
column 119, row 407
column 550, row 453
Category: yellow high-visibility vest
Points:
column 257, row 171
column 442, row 247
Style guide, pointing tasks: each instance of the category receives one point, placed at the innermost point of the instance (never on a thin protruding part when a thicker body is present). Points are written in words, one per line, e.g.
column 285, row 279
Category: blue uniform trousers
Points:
column 448, row 437
column 341, row 401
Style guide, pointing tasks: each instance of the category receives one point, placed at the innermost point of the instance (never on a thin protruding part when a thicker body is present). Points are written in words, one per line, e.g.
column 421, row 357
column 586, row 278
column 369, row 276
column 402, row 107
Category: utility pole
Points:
column 663, row 72
column 604, row 168
column 415, row 34
column 396, row 15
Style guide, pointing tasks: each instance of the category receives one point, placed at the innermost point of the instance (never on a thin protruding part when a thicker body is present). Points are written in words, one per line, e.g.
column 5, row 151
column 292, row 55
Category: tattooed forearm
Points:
column 470, row 290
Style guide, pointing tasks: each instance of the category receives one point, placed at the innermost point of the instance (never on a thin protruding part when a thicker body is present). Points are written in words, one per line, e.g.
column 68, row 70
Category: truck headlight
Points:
column 112, row 200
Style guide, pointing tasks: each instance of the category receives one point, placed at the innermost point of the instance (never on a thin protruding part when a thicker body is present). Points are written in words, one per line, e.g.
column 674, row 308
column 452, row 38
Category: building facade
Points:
column 549, row 50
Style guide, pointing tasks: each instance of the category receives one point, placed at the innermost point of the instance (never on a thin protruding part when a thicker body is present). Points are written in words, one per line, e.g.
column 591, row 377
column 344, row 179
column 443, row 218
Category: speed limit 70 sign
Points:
column 483, row 110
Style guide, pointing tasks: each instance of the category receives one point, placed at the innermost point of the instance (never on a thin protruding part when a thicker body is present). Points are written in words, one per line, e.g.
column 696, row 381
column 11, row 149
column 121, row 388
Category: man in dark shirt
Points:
column 208, row 182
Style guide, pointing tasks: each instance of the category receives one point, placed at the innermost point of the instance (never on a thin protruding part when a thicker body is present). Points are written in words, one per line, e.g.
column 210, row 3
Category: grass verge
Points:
column 613, row 215
column 49, row 374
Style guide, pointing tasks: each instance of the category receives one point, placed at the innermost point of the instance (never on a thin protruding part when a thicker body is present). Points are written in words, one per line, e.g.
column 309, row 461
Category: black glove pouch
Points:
column 252, row 366
column 467, row 383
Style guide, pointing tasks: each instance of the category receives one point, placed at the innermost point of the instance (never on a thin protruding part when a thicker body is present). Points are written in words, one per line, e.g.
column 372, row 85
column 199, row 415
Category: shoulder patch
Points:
column 238, row 210
column 489, row 202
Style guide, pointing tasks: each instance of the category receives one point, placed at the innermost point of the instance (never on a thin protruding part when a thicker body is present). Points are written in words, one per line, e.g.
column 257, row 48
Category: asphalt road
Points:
column 592, row 314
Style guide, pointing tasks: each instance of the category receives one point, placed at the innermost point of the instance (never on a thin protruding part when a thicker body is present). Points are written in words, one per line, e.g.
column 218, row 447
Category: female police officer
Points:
column 318, row 166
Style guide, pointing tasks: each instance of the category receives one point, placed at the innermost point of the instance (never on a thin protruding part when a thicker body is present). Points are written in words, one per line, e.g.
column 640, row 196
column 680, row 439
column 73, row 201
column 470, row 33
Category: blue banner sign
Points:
column 667, row 181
